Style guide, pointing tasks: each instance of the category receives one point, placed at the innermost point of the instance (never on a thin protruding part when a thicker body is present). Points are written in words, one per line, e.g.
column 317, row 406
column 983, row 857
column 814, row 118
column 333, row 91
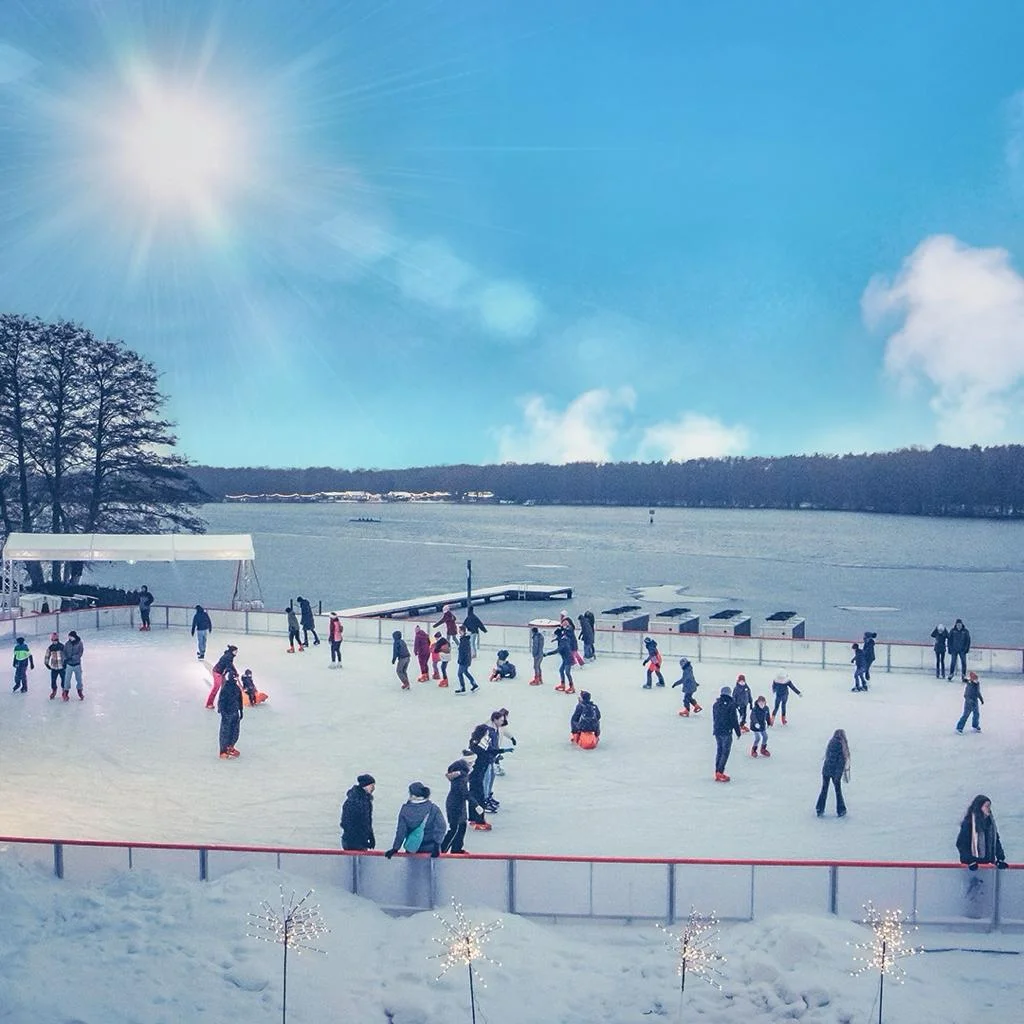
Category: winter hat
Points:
column 941, row 627
column 72, row 634
column 447, row 608
column 726, row 691
column 397, row 635
column 19, row 640
column 781, row 677
column 55, row 636
column 437, row 636
column 741, row 678
column 365, row 780
column 585, row 696
column 973, row 676
column 232, row 648
column 418, row 789
column 683, row 662
column 459, row 766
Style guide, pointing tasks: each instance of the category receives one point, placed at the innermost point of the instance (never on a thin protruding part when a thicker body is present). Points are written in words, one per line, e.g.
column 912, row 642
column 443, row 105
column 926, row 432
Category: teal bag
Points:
column 415, row 838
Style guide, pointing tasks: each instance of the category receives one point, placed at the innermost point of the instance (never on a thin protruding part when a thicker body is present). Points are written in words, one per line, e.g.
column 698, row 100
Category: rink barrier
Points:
column 769, row 652
column 621, row 890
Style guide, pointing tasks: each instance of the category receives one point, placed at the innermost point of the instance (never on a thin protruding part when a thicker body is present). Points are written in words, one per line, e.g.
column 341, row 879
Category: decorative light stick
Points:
column 696, row 950
column 463, row 943
column 296, row 925
column 887, row 947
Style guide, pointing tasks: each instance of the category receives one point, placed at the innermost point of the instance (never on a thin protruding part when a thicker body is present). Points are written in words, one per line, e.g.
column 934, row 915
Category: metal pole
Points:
column 472, row 995
column 469, row 584
column 284, row 985
column 881, row 984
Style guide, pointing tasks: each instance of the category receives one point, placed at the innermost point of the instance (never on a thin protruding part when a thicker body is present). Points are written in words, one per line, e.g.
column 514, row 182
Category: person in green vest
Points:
column 22, row 663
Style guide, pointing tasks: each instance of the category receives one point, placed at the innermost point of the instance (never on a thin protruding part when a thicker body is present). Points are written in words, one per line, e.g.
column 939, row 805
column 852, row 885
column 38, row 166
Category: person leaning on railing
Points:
column 978, row 840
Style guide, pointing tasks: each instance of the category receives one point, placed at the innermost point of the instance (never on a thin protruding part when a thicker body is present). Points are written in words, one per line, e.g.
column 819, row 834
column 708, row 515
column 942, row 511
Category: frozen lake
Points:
column 845, row 572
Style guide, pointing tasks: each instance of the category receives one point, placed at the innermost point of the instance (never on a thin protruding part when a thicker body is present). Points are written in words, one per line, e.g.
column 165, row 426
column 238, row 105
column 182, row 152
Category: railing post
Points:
column 433, row 883
column 822, row 653
column 204, row 864
column 913, row 910
column 751, row 913
column 760, row 651
column 833, row 889
column 355, row 874
column 671, row 894
column 888, row 657
column 510, row 886
column 996, row 917
column 58, row 859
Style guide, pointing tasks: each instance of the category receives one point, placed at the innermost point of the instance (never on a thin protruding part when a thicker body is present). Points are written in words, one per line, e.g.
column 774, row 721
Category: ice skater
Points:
column 972, row 700
column 653, row 662
column 53, row 659
column 421, row 648
column 503, row 669
column 229, row 707
column 440, row 655
column 308, row 622
column 725, row 723
column 860, row 668
column 357, row 815
column 455, row 807
column 451, row 627
column 483, row 755
column 939, row 635
column 585, row 724
column 74, row 650
column 22, row 663
column 225, row 662
column 835, row 769
column 587, row 635
column 563, row 648
column 760, row 721
column 537, row 653
column 689, row 685
column 741, row 694
column 145, row 604
column 400, row 657
column 421, row 826
column 869, row 654
column 202, row 627
column 465, row 659
column 293, row 630
column 781, row 686
column 958, row 643
column 251, row 695
column 335, row 635
column 474, row 627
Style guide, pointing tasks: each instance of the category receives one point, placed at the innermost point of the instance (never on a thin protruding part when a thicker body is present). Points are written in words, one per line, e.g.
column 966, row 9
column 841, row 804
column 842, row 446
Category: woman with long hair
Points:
column 978, row 841
column 835, row 769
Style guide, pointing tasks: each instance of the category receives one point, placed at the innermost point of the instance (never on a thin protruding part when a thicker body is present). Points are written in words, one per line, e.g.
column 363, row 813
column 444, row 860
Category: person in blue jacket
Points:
column 400, row 657
column 416, row 811
column 958, row 643
column 564, row 651
column 308, row 622
column 972, row 698
column 860, row 668
column 724, row 723
column 689, row 685
column 760, row 720
column 781, row 686
column 465, row 659
column 741, row 694
column 537, row 653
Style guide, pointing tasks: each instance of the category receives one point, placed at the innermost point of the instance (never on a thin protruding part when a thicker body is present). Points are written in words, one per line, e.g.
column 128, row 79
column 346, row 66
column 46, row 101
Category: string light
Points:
column 696, row 948
column 463, row 943
column 888, row 945
column 296, row 926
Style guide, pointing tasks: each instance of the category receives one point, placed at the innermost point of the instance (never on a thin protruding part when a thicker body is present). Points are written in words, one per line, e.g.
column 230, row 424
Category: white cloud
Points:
column 692, row 436
column 961, row 332
column 15, row 64
column 508, row 308
column 585, row 431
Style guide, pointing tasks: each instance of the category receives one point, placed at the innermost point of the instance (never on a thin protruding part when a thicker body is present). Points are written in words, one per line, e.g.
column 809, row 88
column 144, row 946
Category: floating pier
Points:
column 435, row 602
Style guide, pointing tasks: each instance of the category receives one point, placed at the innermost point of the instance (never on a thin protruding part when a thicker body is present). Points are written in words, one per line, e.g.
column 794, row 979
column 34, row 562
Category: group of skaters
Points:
column 62, row 658
column 302, row 625
column 422, row 826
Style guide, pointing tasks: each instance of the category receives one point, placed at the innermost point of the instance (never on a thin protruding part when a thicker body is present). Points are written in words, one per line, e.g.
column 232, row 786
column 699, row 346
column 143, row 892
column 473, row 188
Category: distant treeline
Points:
column 942, row 482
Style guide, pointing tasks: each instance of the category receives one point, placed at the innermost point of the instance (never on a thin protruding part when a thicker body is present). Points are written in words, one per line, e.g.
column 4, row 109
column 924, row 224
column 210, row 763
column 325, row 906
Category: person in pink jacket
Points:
column 334, row 636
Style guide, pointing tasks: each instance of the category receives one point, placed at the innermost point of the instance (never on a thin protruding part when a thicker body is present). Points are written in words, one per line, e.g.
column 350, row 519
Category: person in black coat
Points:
column 564, row 651
column 400, row 657
column 869, row 653
column 940, row 635
column 725, row 723
column 357, row 815
column 481, row 746
column 202, row 625
column 781, row 686
column 972, row 698
column 835, row 770
column 474, row 627
column 586, row 717
column 958, row 643
column 455, row 805
column 465, row 659
column 307, row 621
column 760, row 720
column 587, row 634
column 978, row 840
column 229, row 707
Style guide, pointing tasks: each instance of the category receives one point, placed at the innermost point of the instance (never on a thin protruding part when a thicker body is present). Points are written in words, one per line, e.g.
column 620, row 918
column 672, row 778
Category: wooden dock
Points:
column 435, row 602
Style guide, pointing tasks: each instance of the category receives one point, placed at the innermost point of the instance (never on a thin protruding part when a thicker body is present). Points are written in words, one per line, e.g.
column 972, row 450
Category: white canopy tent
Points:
column 126, row 547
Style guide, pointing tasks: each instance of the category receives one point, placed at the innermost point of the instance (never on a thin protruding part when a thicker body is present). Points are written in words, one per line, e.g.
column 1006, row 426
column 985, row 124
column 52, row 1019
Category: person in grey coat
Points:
column 419, row 809
column 958, row 643
column 689, row 685
column 537, row 653
column 74, row 649
column 400, row 657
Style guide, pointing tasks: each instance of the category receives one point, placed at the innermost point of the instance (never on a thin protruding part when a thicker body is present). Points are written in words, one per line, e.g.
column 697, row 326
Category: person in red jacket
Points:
column 451, row 627
column 421, row 648
column 440, row 655
column 335, row 631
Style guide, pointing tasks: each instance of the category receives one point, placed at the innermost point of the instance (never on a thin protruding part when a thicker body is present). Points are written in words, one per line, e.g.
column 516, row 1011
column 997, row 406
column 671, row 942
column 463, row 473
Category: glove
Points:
column 435, row 852
column 241, row 715
column 512, row 740
column 1000, row 864
column 467, row 753
column 390, row 853
column 973, row 866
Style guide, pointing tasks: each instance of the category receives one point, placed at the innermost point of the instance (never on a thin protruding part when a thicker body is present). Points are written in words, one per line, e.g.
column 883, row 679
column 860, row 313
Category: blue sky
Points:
column 389, row 234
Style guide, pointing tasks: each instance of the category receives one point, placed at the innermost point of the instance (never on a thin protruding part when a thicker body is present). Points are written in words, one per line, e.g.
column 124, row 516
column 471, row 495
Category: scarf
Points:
column 982, row 847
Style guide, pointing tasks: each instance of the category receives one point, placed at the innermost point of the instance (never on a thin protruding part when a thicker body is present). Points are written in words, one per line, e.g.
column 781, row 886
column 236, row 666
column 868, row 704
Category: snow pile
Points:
column 149, row 949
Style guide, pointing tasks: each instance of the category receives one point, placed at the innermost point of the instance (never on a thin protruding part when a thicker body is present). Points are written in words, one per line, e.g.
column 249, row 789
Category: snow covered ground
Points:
column 137, row 760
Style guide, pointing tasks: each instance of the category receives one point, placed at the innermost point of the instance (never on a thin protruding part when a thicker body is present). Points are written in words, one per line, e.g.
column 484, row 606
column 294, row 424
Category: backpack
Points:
column 588, row 718
column 414, row 839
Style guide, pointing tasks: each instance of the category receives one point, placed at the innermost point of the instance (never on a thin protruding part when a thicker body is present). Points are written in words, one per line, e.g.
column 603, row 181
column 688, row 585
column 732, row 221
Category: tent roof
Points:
column 128, row 547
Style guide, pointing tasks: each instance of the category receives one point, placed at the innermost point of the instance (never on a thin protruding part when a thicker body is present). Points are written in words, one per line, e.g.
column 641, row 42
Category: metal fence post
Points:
column 204, row 864
column 433, row 884
column 58, row 859
column 510, row 886
column 671, row 894
column 833, row 889
column 355, row 874
column 752, row 870
column 995, row 901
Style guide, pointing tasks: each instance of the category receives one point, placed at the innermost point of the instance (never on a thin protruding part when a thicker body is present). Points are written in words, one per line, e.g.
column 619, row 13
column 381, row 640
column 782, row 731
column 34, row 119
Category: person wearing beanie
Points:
column 939, row 635
column 202, row 627
column 978, row 840
column 480, row 746
column 741, row 694
column 455, row 805
column 229, row 707
column 252, row 696
column 724, row 723
column 53, row 659
column 22, row 663
column 421, row 826
column 335, row 634
column 465, row 660
column 506, row 741
column 587, row 635
column 400, row 657
column 585, row 724
column 781, row 686
column 294, row 637
column 440, row 655
column 860, row 668
column 563, row 648
column 308, row 622
column 357, row 815
column 972, row 700
column 145, row 604
column 421, row 648
column 653, row 662
column 869, row 654
column 474, row 627
column 760, row 720
column 74, row 650
column 451, row 627
column 224, row 662
column 689, row 685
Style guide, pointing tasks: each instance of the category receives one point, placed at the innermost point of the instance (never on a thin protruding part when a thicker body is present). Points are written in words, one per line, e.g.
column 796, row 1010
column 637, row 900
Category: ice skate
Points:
column 684, row 713
column 753, row 751
column 647, row 686
column 721, row 777
column 81, row 695
column 224, row 755
column 405, row 686
column 65, row 696
column 53, row 694
column 443, row 683
column 570, row 688
column 560, row 687
column 697, row 708
column 234, row 752
column 744, row 728
column 291, row 650
column 783, row 719
column 481, row 826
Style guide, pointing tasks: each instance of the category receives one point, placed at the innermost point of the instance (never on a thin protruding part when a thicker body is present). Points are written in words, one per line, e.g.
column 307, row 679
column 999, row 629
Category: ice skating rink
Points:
column 137, row 760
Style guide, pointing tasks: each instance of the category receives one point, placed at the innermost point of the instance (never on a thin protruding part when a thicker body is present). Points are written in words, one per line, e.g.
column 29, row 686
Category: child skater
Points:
column 741, row 694
column 781, row 686
column 504, row 669
column 293, row 630
column 760, row 719
column 972, row 698
column 859, row 661
column 689, row 685
column 440, row 655
column 653, row 662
